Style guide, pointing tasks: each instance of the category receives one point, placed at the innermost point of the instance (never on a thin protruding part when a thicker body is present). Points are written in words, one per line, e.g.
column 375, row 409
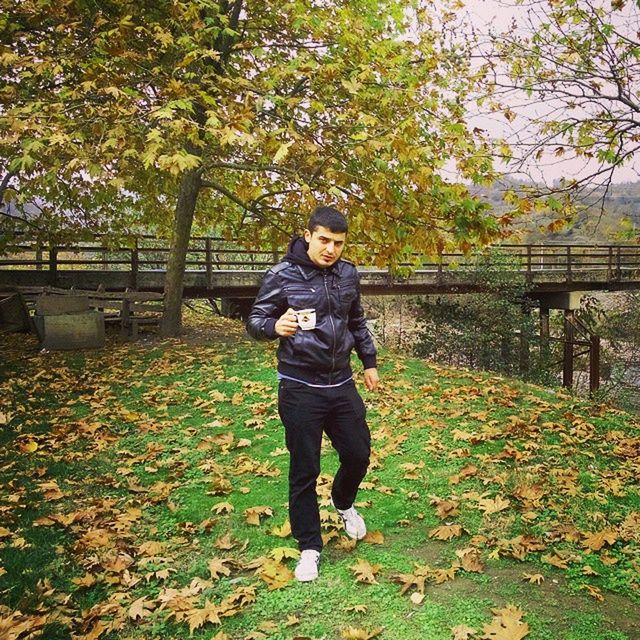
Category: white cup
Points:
column 306, row 319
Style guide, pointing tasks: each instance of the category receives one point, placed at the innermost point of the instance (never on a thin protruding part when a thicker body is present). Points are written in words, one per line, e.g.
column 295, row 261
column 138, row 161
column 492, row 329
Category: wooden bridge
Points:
column 217, row 268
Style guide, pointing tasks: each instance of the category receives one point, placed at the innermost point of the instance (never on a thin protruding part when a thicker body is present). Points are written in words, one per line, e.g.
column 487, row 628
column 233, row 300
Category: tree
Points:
column 242, row 114
column 566, row 75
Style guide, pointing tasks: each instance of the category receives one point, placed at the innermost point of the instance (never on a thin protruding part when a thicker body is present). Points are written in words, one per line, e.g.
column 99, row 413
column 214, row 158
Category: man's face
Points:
column 325, row 246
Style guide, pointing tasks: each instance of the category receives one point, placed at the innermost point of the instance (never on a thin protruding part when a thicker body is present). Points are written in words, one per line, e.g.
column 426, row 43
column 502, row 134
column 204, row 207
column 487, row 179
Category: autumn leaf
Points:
column 282, row 553
column 462, row 632
column 445, row 508
column 374, row 537
column 225, row 542
column 283, row 531
column 594, row 592
column 354, row 633
column 357, row 608
column 253, row 514
column 198, row 617
column 470, row 560
column 535, row 578
column 218, row 567
column 555, row 560
column 141, row 608
column 275, row 574
column 490, row 506
column 365, row 572
column 506, row 625
column 446, row 532
column 223, row 507
column 595, row 541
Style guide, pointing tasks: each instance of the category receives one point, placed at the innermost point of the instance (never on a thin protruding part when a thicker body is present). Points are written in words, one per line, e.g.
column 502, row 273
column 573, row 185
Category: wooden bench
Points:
column 130, row 310
column 141, row 309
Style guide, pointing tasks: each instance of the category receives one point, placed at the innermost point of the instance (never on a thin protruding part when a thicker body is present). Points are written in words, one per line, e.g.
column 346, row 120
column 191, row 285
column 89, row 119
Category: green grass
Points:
column 139, row 448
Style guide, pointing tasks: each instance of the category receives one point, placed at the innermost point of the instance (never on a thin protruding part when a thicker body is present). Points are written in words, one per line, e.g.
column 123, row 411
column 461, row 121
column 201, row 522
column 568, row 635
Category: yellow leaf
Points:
column 223, row 507
column 283, row 531
column 490, row 506
column 366, row 572
column 253, row 514
column 374, row 537
column 535, row 578
column 29, row 447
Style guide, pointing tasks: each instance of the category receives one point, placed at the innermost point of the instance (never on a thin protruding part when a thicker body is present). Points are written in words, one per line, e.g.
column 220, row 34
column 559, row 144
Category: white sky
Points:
column 486, row 14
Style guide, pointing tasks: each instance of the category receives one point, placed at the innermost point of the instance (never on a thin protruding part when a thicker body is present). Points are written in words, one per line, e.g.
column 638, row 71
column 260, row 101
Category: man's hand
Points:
column 287, row 324
column 371, row 379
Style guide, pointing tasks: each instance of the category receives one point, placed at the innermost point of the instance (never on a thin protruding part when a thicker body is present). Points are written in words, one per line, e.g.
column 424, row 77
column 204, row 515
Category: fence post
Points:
column 38, row 257
column 135, row 263
column 568, row 263
column 567, row 370
column 529, row 273
column 610, row 264
column 618, row 264
column 594, row 363
column 53, row 265
column 209, row 264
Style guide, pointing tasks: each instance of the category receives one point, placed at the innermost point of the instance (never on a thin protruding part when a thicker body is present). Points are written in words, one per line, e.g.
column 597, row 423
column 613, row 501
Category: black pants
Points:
column 306, row 412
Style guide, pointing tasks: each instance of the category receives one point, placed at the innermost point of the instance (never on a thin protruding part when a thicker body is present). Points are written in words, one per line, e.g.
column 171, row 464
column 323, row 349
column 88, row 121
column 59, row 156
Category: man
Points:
column 316, row 390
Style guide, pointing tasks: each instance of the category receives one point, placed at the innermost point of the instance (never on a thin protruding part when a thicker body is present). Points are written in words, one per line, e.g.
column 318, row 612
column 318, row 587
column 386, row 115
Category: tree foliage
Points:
column 566, row 75
column 241, row 115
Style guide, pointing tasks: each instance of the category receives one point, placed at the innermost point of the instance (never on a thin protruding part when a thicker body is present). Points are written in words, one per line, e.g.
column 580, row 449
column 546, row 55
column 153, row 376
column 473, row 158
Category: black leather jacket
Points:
column 321, row 355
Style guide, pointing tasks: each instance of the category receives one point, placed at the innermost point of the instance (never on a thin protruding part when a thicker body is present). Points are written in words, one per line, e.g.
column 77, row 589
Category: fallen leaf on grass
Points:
column 283, row 531
column 595, row 541
column 223, row 507
column 141, row 608
column 535, row 578
column 594, row 592
column 357, row 608
column 218, row 567
column 253, row 514
column 495, row 505
column 353, row 633
column 555, row 560
column 365, row 572
column 374, row 537
column 446, row 532
column 275, row 574
column 470, row 560
column 506, row 625
column 462, row 632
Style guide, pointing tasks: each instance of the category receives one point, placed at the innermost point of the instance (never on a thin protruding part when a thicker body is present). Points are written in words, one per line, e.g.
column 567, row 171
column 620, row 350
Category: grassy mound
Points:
column 144, row 496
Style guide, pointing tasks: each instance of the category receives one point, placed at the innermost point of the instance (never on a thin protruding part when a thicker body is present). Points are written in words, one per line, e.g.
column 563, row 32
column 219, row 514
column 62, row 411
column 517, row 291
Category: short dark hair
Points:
column 328, row 217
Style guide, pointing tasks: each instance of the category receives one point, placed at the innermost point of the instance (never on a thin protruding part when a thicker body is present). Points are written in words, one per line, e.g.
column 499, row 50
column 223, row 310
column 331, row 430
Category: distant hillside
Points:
column 617, row 220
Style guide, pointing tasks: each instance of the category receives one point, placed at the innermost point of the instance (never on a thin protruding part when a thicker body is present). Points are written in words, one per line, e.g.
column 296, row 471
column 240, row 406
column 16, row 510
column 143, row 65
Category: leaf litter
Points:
column 170, row 406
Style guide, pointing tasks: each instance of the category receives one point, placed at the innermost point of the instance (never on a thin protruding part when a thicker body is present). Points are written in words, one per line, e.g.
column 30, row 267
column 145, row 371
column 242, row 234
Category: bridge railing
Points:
column 210, row 254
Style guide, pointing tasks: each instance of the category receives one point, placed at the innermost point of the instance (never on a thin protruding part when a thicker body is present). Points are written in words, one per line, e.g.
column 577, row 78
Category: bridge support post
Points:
column 567, row 369
column 594, row 364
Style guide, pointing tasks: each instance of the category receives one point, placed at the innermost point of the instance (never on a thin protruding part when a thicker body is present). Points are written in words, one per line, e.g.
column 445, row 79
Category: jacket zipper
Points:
column 333, row 326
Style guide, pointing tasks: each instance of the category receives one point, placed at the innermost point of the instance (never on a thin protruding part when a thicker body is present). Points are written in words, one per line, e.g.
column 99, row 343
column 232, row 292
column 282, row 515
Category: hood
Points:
column 297, row 253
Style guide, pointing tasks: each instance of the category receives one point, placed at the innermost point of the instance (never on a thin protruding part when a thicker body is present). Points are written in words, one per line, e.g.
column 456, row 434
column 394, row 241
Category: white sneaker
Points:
column 353, row 523
column 307, row 567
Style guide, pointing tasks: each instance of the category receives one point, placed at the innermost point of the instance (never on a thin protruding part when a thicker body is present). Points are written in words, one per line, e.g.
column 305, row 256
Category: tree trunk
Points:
column 190, row 185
